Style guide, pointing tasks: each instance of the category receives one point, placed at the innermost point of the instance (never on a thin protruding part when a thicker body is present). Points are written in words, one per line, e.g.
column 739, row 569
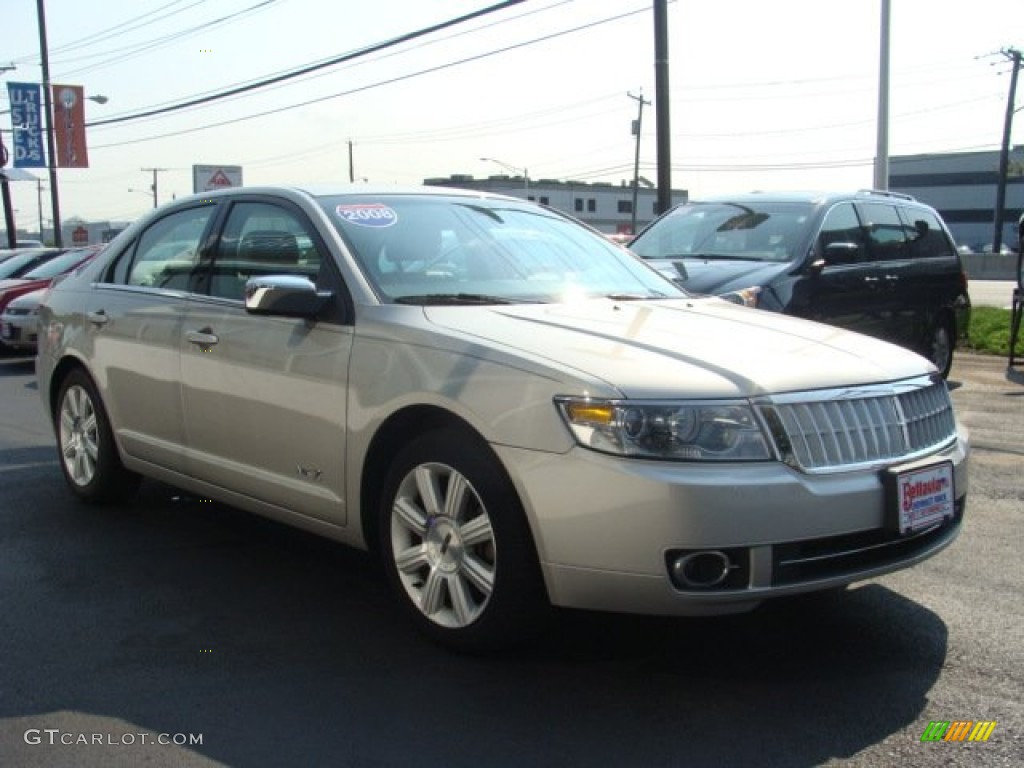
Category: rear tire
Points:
column 456, row 544
column 941, row 342
column 89, row 457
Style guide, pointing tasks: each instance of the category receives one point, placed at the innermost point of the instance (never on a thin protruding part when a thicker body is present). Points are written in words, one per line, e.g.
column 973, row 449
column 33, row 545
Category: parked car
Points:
column 878, row 263
column 14, row 263
column 19, row 321
column 512, row 411
column 42, row 274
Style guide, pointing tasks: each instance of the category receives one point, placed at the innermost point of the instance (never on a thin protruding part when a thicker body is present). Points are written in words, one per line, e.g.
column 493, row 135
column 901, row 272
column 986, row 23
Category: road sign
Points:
column 207, row 178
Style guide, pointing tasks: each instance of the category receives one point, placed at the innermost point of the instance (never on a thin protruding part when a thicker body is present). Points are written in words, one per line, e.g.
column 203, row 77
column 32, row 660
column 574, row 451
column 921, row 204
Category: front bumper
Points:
column 606, row 528
column 18, row 331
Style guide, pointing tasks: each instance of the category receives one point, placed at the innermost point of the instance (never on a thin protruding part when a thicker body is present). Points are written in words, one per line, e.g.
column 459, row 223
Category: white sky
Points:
column 764, row 95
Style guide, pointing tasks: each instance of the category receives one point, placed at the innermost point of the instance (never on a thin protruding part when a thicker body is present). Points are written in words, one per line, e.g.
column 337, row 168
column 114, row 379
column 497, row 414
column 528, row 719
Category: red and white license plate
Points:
column 920, row 498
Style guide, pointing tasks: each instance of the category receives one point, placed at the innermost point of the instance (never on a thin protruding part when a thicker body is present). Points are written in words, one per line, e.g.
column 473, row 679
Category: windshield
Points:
column 420, row 249
column 57, row 266
column 19, row 263
column 748, row 232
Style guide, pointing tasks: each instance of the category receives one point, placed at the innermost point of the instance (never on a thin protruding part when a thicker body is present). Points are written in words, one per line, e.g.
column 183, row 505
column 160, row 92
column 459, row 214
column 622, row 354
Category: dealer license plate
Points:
column 920, row 498
column 6, row 330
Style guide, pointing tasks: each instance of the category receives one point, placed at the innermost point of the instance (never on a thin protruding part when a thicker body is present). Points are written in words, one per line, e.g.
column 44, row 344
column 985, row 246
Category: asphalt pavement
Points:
column 172, row 620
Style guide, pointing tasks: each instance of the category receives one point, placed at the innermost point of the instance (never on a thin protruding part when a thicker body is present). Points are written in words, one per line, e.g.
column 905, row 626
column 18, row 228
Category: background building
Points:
column 962, row 187
column 602, row 205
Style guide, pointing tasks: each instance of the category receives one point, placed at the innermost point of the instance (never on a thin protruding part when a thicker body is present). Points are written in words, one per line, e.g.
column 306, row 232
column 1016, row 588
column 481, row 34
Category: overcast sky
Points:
column 764, row 95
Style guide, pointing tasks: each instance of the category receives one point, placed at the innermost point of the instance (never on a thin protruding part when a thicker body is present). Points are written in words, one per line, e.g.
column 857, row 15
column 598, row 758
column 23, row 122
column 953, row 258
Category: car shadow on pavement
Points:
column 15, row 365
column 173, row 614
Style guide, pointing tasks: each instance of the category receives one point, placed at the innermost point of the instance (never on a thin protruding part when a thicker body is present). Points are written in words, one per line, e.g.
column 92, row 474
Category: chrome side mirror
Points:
column 289, row 295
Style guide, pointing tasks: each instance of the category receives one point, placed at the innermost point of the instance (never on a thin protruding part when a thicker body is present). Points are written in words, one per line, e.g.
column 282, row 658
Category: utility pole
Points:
column 661, row 97
column 5, row 192
column 1004, row 154
column 39, row 200
column 351, row 164
column 637, row 125
column 51, row 149
column 882, row 141
column 154, row 185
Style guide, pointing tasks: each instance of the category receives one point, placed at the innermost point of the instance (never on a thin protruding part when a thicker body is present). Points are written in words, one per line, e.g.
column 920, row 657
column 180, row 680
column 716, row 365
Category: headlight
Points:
column 682, row 431
column 746, row 297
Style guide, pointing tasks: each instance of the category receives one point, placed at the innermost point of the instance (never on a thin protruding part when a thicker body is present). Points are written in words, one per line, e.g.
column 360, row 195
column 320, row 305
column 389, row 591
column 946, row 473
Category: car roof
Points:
column 354, row 190
column 814, row 197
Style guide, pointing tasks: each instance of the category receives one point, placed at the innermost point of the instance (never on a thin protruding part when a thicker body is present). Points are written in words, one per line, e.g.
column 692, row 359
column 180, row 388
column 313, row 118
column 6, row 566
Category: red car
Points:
column 43, row 273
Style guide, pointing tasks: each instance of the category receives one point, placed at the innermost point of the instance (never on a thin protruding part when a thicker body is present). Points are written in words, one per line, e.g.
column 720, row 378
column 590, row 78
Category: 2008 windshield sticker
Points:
column 368, row 214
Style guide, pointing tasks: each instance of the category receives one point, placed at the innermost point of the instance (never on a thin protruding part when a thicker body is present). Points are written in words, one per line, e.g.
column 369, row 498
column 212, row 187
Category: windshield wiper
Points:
column 426, row 299
column 718, row 257
column 635, row 296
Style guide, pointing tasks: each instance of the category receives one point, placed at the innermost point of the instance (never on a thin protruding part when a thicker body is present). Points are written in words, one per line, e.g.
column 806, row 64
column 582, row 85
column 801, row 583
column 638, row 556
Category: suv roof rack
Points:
column 886, row 193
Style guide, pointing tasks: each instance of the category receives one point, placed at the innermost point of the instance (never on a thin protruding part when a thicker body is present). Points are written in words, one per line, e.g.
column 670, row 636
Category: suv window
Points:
column 887, row 234
column 762, row 232
column 841, row 239
column 261, row 239
column 927, row 238
column 167, row 253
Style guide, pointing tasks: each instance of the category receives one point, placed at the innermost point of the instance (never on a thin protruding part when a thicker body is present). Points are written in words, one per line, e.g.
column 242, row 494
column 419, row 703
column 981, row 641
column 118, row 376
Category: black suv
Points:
column 876, row 262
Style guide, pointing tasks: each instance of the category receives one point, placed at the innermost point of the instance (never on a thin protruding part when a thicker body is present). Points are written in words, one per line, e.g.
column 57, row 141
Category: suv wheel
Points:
column 940, row 346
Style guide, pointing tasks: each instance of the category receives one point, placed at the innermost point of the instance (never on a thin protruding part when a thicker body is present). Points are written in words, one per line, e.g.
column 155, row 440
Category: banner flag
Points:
column 26, row 126
column 69, row 126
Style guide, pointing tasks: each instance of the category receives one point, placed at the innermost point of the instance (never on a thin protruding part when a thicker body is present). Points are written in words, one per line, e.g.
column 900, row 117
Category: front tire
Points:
column 456, row 544
column 88, row 454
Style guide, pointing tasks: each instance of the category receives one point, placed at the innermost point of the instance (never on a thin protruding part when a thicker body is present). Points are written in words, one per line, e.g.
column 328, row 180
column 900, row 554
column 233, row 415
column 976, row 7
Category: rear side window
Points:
column 167, row 253
column 888, row 236
column 927, row 238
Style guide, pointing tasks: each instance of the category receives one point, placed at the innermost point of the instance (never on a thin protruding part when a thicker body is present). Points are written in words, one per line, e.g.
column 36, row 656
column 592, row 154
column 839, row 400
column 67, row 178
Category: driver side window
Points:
column 262, row 239
column 841, row 239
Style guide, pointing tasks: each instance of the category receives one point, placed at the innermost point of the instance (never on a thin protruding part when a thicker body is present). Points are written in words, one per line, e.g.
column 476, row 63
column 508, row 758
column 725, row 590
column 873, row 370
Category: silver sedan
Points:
column 512, row 411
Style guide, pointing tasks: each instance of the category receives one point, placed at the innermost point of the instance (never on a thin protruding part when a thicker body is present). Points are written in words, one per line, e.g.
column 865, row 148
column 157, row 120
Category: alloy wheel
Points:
column 443, row 545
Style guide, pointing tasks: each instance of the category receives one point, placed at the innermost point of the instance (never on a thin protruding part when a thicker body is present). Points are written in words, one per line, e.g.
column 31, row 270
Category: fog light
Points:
column 701, row 570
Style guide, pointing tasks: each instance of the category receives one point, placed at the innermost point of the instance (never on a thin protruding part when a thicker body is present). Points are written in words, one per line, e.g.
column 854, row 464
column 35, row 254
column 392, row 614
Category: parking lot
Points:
column 173, row 619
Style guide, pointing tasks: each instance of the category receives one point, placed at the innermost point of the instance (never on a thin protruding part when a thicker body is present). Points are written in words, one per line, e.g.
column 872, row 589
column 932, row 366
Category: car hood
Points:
column 701, row 347
column 13, row 282
column 716, row 277
column 10, row 289
column 28, row 300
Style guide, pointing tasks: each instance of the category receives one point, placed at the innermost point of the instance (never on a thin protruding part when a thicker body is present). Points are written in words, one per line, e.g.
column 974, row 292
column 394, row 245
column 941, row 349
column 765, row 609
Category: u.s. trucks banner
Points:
column 26, row 126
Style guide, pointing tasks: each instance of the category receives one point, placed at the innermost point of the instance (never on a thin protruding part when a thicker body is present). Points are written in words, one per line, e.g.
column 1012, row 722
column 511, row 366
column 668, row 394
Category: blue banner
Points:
column 26, row 126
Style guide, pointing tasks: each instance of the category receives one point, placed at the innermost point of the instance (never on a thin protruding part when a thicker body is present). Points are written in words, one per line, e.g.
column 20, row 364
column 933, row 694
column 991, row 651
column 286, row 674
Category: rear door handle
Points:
column 99, row 317
column 204, row 337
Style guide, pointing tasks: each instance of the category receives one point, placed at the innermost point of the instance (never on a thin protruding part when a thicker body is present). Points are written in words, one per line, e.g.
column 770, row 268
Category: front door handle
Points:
column 204, row 337
column 99, row 317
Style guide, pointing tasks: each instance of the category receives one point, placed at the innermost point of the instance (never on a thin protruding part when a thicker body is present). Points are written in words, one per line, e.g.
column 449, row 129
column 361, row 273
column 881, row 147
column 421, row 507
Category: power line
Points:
column 370, row 86
column 109, row 32
column 138, row 49
column 313, row 67
column 312, row 76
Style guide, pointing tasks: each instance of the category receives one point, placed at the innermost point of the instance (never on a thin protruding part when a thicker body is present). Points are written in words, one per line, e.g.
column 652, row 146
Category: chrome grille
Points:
column 841, row 429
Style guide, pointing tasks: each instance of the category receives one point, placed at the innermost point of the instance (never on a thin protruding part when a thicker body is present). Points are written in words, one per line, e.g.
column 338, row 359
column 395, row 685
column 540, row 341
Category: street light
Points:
column 525, row 173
